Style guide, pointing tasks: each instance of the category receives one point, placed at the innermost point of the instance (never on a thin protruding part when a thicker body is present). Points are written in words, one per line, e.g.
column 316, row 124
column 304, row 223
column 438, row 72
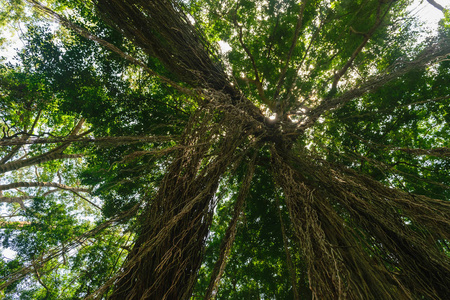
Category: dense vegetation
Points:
column 140, row 160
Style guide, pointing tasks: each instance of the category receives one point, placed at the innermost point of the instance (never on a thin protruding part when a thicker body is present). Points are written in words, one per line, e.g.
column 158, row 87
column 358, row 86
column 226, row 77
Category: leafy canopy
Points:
column 311, row 159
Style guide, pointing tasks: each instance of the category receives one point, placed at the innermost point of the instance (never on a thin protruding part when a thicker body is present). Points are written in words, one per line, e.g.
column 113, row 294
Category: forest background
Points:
column 309, row 158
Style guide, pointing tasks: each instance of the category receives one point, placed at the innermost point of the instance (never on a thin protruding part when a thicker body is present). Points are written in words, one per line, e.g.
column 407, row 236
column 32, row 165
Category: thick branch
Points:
column 436, row 5
column 15, row 165
column 42, row 184
column 12, row 152
column 15, row 200
column 20, row 199
column 113, row 140
column 439, row 152
column 15, row 224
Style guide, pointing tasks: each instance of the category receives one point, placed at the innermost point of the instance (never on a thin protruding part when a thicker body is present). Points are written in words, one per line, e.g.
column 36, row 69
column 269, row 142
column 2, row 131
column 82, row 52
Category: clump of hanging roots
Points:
column 164, row 261
column 361, row 239
column 162, row 30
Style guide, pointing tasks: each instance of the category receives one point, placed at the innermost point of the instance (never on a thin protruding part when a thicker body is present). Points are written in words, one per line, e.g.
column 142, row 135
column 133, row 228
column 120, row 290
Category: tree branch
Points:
column 438, row 152
column 39, row 279
column 42, row 184
column 431, row 54
column 73, row 133
column 86, row 199
column 298, row 26
column 88, row 35
column 18, row 200
column 24, row 138
column 15, row 165
column 367, row 36
column 11, row 153
column 115, row 140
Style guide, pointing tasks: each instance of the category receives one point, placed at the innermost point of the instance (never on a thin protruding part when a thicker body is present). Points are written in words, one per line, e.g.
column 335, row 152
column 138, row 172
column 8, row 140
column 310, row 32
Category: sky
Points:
column 427, row 13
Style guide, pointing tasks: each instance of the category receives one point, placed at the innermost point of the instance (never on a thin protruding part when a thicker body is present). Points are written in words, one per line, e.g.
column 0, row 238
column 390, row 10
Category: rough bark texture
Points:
column 339, row 262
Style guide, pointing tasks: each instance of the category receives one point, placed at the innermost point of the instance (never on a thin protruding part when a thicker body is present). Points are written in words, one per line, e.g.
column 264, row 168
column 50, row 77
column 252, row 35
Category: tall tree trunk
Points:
column 164, row 261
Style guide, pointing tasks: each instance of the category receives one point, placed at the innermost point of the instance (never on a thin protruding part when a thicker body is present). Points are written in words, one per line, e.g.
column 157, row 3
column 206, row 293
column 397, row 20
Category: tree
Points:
column 320, row 137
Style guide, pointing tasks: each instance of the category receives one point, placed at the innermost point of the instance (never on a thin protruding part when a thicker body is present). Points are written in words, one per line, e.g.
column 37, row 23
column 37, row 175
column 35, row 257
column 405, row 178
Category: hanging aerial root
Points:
column 163, row 31
column 164, row 261
column 289, row 261
column 230, row 233
column 361, row 239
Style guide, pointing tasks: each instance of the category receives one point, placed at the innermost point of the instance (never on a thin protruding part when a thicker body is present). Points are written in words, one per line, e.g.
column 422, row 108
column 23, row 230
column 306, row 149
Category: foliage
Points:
column 308, row 161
